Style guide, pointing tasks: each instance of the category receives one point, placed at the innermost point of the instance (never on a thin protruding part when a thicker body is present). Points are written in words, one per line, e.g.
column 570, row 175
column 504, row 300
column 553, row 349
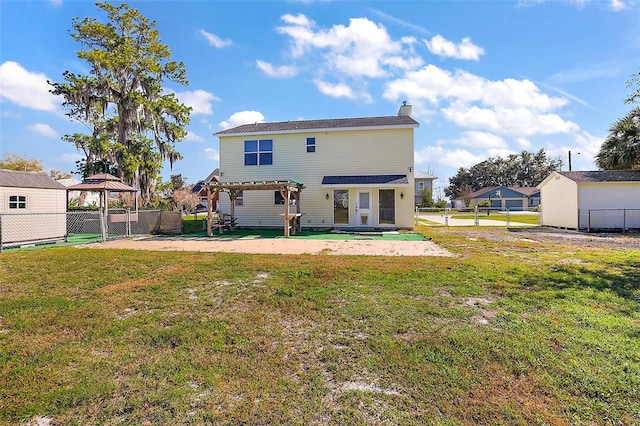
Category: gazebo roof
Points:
column 102, row 182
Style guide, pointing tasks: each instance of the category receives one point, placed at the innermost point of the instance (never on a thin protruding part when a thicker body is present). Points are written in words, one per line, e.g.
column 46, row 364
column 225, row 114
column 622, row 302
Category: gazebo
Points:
column 286, row 187
column 104, row 184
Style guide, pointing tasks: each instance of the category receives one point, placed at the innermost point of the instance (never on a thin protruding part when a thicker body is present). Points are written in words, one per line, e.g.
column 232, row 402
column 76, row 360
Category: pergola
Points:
column 287, row 188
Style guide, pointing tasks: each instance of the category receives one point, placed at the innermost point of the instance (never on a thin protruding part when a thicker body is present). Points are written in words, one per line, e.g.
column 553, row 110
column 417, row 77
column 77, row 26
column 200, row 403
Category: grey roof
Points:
column 366, row 180
column 18, row 179
column 527, row 191
column 423, row 175
column 332, row 123
column 603, row 176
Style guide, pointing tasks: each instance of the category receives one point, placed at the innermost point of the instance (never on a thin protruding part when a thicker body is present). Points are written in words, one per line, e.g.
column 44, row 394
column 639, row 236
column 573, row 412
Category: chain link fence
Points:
column 475, row 216
column 78, row 227
column 594, row 220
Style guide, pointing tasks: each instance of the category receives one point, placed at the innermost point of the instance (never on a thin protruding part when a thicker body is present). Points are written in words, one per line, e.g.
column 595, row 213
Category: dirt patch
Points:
column 283, row 246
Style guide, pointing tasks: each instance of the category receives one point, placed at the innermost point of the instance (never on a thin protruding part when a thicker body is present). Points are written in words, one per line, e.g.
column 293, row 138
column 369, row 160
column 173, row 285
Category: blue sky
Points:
column 484, row 78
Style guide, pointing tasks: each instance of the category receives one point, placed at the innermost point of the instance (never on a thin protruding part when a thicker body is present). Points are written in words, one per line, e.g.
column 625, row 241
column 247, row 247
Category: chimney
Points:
column 405, row 109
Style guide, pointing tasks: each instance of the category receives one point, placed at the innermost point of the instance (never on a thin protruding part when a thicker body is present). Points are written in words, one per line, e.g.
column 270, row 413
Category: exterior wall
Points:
column 607, row 202
column 427, row 184
column 559, row 202
column 43, row 219
column 358, row 152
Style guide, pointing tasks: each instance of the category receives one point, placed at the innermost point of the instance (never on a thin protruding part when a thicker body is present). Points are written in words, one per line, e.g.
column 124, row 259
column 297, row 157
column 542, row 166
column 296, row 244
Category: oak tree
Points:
column 134, row 125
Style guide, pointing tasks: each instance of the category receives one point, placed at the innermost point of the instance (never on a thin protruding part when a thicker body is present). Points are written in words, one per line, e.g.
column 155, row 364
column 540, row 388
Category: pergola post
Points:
column 209, row 213
column 287, row 221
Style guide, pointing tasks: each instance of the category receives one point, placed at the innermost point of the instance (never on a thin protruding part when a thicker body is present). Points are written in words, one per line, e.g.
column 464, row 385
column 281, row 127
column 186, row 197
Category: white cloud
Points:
column 523, row 143
column 43, row 130
column 442, row 47
column 211, row 154
column 215, row 41
column 25, row 88
column 242, row 117
column 339, row 90
column 56, row 3
column 618, row 5
column 482, row 140
column 192, row 137
column 298, row 20
column 283, row 71
column 508, row 107
column 447, row 157
column 199, row 100
column 361, row 49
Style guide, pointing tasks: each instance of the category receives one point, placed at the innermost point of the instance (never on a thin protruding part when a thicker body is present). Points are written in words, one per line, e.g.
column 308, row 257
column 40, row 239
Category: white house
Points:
column 32, row 208
column 83, row 198
column 591, row 200
column 355, row 172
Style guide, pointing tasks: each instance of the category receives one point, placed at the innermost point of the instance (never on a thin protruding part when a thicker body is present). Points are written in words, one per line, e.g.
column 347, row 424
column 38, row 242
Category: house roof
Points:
column 603, row 176
column 399, row 121
column 423, row 175
column 524, row 190
column 19, row 179
column 366, row 180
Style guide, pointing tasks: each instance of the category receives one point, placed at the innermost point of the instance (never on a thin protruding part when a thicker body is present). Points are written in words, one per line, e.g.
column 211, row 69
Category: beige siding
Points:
column 44, row 218
column 559, row 202
column 358, row 152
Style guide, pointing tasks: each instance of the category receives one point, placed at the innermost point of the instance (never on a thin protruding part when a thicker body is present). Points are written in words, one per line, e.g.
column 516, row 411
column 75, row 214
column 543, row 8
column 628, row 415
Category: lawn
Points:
column 501, row 216
column 508, row 331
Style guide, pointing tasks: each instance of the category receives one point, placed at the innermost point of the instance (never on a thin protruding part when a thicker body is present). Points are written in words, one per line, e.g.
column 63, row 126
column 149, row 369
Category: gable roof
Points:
column 19, row 179
column 399, row 121
column 423, row 175
column 603, row 176
column 524, row 190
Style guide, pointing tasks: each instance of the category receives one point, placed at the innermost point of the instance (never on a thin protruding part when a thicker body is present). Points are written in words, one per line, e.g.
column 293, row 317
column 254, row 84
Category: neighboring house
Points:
column 83, row 198
column 32, row 208
column 503, row 198
column 201, row 190
column 356, row 172
column 422, row 181
column 591, row 200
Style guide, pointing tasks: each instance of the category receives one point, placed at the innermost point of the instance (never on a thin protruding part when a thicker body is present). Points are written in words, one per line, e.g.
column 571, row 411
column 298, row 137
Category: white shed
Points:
column 591, row 200
column 33, row 208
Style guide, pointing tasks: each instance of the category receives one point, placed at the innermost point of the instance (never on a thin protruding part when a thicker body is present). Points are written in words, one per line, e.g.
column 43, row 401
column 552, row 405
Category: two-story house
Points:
column 356, row 172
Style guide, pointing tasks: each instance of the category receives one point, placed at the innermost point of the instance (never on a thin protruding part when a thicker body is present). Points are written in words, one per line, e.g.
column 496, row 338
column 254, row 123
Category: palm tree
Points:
column 621, row 148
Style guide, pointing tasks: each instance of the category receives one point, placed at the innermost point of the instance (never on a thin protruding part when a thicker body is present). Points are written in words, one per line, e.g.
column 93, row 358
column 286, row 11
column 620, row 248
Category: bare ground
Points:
column 283, row 246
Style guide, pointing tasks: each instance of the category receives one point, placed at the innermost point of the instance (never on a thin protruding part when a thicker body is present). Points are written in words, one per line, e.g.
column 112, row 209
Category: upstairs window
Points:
column 258, row 152
column 17, row 202
column 311, row 144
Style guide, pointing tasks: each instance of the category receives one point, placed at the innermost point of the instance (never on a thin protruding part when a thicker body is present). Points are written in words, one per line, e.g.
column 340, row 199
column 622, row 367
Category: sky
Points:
column 485, row 78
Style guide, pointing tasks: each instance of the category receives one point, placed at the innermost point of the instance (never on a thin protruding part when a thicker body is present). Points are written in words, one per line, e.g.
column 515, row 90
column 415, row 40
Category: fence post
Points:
column 127, row 228
column 0, row 233
column 476, row 219
column 589, row 220
column 508, row 218
column 624, row 219
column 103, row 225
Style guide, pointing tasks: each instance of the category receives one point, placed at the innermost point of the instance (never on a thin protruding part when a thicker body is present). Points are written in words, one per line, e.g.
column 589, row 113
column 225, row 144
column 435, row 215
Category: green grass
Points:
column 500, row 216
column 503, row 333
